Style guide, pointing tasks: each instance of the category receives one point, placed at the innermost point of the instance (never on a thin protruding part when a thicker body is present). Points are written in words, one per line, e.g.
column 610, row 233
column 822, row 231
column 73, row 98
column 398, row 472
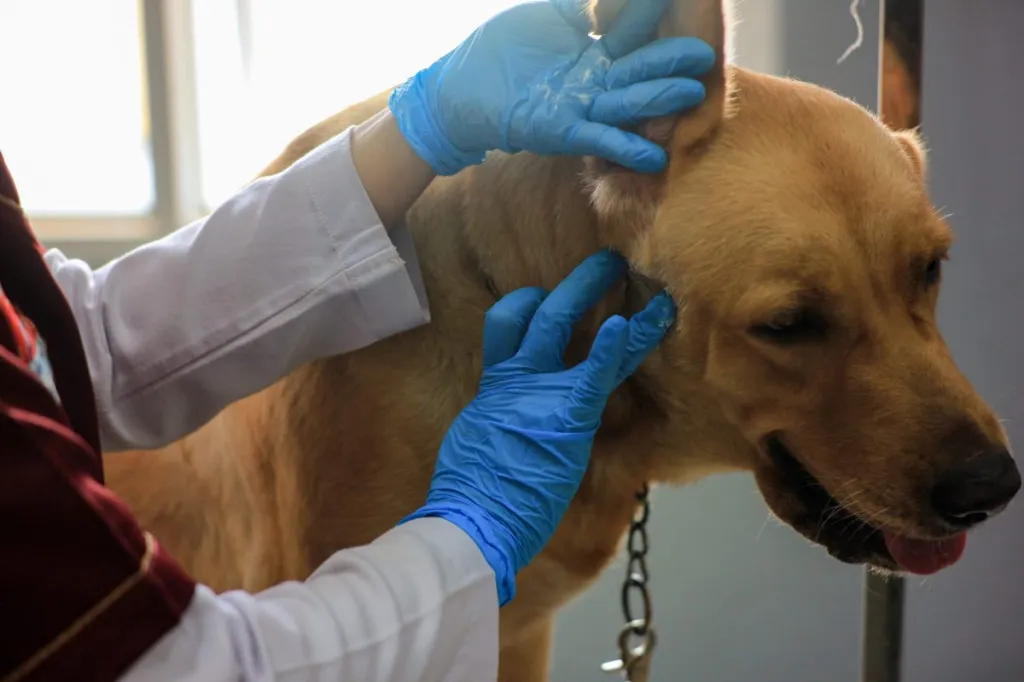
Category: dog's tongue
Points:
column 925, row 557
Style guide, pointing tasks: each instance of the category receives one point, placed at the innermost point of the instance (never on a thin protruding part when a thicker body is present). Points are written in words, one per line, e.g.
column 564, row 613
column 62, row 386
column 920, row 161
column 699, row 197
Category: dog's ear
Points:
column 708, row 20
column 626, row 201
column 914, row 149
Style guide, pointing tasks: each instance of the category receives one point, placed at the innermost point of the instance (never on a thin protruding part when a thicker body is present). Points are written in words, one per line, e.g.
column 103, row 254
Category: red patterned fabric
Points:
column 84, row 591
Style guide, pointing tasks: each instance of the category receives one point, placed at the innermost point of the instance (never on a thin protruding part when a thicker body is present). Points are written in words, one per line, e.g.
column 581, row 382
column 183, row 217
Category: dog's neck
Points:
column 531, row 227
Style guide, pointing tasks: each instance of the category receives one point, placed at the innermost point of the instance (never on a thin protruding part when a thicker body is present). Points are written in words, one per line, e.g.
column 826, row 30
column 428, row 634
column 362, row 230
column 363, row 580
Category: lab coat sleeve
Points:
column 417, row 605
column 295, row 267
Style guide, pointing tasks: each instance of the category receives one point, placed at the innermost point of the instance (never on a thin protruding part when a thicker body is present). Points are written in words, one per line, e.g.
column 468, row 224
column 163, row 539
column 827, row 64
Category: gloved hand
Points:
column 532, row 79
column 514, row 458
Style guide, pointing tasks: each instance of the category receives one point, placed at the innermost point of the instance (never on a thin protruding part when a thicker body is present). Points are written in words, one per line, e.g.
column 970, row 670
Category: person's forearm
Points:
column 291, row 269
column 392, row 173
column 419, row 603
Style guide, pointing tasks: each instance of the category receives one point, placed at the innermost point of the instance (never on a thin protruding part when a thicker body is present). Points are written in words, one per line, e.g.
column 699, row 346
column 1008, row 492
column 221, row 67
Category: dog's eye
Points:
column 792, row 326
column 932, row 272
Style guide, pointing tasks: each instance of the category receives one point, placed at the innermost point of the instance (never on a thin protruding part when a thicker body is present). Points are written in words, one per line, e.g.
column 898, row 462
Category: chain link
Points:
column 637, row 576
column 634, row 661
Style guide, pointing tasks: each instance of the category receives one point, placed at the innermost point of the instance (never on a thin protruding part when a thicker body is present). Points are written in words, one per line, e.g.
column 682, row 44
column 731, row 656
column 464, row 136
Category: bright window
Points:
column 250, row 74
column 266, row 69
column 74, row 130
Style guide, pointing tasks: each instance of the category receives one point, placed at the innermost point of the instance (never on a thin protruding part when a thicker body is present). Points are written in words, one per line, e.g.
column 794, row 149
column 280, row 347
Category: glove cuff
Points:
column 486, row 536
column 416, row 123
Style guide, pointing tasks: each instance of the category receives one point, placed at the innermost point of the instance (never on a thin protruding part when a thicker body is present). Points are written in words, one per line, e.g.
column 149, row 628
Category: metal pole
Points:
column 882, row 634
column 885, row 597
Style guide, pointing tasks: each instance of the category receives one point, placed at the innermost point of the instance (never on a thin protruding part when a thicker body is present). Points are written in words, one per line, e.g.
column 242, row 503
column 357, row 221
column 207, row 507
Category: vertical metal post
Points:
column 884, row 597
column 882, row 636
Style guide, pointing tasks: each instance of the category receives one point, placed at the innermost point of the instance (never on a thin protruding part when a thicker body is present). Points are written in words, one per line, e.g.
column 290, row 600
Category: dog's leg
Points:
column 528, row 659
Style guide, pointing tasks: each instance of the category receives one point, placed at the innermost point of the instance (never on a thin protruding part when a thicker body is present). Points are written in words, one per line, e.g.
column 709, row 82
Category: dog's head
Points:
column 795, row 231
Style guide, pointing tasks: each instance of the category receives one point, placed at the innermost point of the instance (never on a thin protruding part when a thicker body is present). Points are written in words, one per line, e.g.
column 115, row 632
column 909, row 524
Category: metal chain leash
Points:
column 635, row 658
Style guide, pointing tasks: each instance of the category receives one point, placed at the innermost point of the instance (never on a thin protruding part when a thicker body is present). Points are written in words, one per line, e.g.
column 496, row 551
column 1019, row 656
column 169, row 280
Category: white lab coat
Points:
column 296, row 267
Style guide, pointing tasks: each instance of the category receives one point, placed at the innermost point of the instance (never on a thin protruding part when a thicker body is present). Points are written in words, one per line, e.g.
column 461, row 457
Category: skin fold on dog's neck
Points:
column 538, row 245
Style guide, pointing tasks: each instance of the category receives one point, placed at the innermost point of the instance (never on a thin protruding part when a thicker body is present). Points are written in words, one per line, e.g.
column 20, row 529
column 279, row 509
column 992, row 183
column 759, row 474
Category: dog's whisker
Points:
column 869, row 522
column 829, row 512
column 764, row 524
column 851, row 525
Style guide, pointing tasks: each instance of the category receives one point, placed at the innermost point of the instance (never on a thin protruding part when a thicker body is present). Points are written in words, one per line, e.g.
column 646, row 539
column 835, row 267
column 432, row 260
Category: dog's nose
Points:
column 978, row 488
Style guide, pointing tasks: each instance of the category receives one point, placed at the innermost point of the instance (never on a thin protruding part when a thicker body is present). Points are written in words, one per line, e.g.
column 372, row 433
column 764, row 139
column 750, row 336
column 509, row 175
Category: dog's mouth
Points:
column 846, row 536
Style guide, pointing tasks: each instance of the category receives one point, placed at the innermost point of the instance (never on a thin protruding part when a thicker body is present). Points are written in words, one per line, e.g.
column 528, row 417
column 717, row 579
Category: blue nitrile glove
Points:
column 532, row 79
column 514, row 458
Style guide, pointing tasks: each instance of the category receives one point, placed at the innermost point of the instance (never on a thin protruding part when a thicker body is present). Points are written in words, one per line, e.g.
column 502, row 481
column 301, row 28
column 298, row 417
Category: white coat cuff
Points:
column 381, row 268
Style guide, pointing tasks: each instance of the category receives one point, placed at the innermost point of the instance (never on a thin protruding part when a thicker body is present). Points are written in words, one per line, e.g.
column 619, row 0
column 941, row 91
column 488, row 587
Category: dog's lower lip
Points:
column 866, row 543
column 832, row 518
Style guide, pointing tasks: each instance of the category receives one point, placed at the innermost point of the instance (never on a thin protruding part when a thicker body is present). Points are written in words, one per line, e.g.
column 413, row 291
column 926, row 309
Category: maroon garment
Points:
column 84, row 591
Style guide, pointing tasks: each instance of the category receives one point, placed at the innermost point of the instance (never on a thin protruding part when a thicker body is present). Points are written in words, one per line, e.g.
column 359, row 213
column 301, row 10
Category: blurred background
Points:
column 123, row 120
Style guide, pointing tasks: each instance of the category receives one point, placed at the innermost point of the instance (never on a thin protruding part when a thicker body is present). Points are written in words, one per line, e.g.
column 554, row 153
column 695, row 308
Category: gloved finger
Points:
column 646, row 100
column 506, row 322
column 618, row 146
column 549, row 332
column 575, row 13
column 665, row 58
column 646, row 330
column 600, row 371
column 635, row 26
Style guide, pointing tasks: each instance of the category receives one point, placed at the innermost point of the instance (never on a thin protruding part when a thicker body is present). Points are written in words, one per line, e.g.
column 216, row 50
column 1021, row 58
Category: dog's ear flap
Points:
column 914, row 149
column 626, row 202
column 708, row 20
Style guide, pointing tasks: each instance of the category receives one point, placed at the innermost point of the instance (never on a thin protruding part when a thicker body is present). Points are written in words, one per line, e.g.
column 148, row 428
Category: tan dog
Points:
column 795, row 233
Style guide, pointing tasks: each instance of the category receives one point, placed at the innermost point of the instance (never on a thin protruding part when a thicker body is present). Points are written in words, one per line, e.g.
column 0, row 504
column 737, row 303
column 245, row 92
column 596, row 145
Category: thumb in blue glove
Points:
column 532, row 79
column 514, row 458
